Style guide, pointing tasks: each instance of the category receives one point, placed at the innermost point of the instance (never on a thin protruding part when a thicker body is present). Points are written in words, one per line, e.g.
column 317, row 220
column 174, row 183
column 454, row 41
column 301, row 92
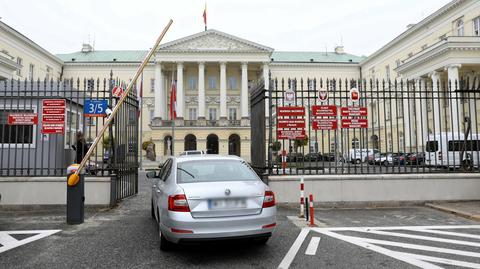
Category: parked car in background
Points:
column 359, row 155
column 417, row 158
column 295, row 157
column 392, row 159
column 210, row 197
column 313, row 157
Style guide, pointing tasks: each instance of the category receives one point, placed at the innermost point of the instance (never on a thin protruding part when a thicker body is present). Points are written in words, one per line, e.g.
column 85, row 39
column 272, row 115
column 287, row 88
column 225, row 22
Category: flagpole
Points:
column 141, row 122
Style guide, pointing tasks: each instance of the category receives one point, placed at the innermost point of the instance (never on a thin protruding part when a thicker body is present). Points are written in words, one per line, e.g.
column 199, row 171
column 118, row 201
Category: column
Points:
column 454, row 85
column 159, row 109
column 421, row 110
column 180, row 93
column 223, row 91
column 407, row 114
column 244, row 91
column 435, row 76
column 266, row 79
column 471, row 102
column 201, row 90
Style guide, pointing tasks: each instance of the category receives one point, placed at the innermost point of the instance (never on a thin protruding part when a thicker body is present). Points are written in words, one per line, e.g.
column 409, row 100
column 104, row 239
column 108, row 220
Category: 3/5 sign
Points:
column 95, row 107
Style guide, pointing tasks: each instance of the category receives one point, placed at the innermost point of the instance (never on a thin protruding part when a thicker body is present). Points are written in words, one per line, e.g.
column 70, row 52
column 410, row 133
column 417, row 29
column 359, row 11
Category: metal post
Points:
column 76, row 201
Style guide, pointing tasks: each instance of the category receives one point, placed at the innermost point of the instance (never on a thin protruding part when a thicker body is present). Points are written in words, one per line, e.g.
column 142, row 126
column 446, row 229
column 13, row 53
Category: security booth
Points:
column 39, row 122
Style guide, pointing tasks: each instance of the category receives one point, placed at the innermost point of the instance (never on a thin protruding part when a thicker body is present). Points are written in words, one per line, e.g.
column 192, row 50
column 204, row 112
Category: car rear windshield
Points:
column 214, row 170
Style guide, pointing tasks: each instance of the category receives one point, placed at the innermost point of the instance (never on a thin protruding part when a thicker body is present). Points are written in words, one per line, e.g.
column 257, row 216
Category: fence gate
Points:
column 257, row 125
column 39, row 121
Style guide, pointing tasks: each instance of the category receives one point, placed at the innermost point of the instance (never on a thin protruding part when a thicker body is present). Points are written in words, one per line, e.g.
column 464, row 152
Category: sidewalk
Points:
column 470, row 210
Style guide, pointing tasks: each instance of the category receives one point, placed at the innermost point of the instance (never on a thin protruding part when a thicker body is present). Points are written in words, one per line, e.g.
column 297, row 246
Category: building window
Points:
column 212, row 83
column 20, row 63
column 74, row 124
column 476, row 26
column 15, row 134
column 212, row 114
column 192, row 83
column 460, row 27
column 152, row 85
column 232, row 83
column 192, row 113
column 399, row 105
column 232, row 113
column 355, row 143
column 30, row 71
column 152, row 114
column 387, row 72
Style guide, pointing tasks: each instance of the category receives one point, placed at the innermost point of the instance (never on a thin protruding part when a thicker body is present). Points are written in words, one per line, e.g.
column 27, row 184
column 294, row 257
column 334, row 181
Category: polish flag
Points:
column 205, row 16
column 173, row 101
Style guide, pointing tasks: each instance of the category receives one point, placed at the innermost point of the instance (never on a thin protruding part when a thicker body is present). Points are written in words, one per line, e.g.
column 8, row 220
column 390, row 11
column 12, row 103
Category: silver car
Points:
column 210, row 197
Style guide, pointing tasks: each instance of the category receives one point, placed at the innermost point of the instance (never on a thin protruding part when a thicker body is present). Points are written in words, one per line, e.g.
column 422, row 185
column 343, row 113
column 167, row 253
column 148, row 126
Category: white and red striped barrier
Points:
column 284, row 160
column 312, row 214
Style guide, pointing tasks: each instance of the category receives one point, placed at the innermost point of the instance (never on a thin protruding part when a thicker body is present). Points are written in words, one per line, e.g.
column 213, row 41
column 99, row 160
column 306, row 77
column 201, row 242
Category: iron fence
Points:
column 39, row 121
column 329, row 126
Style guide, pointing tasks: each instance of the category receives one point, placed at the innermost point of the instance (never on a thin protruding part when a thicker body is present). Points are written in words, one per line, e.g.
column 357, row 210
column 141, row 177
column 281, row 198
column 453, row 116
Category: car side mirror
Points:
column 151, row 174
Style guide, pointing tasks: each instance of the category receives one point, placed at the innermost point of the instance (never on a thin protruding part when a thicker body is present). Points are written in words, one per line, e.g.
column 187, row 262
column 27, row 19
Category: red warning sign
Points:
column 291, row 134
column 354, row 111
column 22, row 119
column 354, row 123
column 290, row 111
column 290, row 123
column 53, row 116
column 324, row 111
column 325, row 124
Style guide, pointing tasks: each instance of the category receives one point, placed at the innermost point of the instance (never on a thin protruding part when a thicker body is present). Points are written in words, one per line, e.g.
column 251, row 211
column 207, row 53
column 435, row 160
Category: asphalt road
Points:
column 126, row 237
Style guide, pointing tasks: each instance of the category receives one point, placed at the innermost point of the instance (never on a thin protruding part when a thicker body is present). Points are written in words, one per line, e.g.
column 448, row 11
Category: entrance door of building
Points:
column 234, row 145
column 212, row 144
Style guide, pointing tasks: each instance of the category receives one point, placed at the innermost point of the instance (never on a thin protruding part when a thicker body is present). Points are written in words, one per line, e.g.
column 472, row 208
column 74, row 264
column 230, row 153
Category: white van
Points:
column 360, row 155
column 444, row 149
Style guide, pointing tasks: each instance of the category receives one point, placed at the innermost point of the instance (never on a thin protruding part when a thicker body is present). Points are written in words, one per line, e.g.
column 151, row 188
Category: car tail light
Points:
column 178, row 203
column 269, row 199
column 272, row 225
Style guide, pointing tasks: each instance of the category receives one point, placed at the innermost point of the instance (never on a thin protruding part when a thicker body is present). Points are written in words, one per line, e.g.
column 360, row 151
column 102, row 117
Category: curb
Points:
column 454, row 211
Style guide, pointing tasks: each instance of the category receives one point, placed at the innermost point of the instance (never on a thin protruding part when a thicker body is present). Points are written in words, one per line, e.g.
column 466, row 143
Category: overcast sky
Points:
column 60, row 26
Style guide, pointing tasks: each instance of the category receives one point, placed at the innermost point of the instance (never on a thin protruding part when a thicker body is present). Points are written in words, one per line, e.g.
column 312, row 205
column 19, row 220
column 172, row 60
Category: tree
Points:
column 300, row 143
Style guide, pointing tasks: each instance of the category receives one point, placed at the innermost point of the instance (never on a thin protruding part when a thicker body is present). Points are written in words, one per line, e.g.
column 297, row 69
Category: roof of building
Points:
column 28, row 41
column 277, row 56
column 314, row 57
column 104, row 56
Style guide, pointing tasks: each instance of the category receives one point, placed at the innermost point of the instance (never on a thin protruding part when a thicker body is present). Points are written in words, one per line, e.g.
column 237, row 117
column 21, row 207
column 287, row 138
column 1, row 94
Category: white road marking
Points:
column 312, row 246
column 420, row 237
column 292, row 252
column 450, row 233
column 444, row 261
column 8, row 242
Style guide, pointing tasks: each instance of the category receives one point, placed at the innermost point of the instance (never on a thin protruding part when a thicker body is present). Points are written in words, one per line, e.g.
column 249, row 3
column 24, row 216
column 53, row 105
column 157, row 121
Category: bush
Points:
column 276, row 146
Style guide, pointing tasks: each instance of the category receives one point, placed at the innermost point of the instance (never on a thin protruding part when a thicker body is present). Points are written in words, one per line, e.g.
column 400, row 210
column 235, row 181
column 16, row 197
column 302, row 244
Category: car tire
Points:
column 152, row 211
column 385, row 163
column 165, row 245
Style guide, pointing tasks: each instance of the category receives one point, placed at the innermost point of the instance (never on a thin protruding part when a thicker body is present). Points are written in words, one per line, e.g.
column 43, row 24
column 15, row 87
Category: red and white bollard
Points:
column 302, row 198
column 312, row 215
column 284, row 160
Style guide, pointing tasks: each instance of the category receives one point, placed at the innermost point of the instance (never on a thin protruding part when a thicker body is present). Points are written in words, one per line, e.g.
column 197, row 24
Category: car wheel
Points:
column 152, row 211
column 165, row 245
column 385, row 163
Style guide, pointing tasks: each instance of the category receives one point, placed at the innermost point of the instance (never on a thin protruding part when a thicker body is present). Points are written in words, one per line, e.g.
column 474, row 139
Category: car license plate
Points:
column 215, row 204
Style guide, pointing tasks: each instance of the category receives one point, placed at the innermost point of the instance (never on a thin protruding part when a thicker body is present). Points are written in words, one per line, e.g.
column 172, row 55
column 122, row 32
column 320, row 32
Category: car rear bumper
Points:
column 207, row 229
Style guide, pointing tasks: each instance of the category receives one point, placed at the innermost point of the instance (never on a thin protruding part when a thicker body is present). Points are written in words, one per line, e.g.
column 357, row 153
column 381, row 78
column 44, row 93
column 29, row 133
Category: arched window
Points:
column 212, row 144
column 234, row 145
column 190, row 142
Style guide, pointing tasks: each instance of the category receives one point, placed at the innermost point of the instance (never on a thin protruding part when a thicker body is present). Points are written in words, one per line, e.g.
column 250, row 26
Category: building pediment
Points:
column 214, row 41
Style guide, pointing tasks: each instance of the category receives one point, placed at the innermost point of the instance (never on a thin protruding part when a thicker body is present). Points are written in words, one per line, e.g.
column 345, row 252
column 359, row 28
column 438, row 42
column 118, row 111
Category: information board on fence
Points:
column 354, row 111
column 354, row 123
column 291, row 134
column 290, row 111
column 53, row 116
column 324, row 111
column 325, row 124
column 22, row 119
column 290, row 123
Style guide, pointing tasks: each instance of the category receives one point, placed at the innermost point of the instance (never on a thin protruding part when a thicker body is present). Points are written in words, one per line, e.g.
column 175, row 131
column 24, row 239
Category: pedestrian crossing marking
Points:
column 8, row 241
column 422, row 261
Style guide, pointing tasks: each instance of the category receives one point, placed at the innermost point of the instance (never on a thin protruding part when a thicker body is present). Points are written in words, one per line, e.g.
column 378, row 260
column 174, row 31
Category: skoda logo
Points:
column 227, row 192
